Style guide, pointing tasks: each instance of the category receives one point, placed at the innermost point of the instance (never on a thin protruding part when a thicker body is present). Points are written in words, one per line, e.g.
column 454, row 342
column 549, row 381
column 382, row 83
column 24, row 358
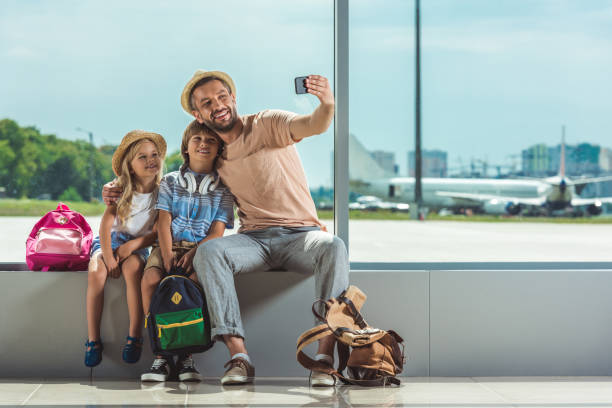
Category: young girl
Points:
column 126, row 230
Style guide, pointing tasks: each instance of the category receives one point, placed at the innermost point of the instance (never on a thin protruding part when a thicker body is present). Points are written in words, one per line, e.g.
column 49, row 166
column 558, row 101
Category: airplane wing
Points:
column 591, row 180
column 577, row 202
column 481, row 198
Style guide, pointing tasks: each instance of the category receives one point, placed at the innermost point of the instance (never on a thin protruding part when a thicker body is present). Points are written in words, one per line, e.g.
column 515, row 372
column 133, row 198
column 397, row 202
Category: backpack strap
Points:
column 308, row 337
column 359, row 321
column 317, row 315
column 343, row 355
column 382, row 381
column 308, row 363
column 62, row 207
column 178, row 270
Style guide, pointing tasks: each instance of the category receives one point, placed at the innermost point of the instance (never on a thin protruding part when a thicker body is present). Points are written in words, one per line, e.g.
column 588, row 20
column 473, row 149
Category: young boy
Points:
column 194, row 207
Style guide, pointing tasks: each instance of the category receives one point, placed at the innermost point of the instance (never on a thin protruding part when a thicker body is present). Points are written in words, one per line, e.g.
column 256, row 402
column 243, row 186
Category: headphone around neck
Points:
column 188, row 181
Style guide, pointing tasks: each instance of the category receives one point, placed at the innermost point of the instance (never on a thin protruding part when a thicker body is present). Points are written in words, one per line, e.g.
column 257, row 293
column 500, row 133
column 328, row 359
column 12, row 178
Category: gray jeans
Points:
column 304, row 250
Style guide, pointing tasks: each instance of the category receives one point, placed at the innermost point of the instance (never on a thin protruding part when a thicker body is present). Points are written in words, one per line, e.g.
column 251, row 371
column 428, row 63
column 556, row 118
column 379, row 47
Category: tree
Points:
column 32, row 164
column 7, row 156
column 174, row 161
column 70, row 194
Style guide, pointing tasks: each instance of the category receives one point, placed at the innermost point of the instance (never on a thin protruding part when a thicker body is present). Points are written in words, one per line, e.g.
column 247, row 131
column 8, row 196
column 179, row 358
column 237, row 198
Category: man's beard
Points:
column 219, row 128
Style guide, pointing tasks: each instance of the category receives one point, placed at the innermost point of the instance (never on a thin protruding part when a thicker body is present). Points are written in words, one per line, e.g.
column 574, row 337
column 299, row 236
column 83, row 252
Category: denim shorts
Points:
column 118, row 238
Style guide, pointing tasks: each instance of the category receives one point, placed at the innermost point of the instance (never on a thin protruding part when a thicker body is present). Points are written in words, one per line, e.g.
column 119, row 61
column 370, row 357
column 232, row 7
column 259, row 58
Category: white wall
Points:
column 455, row 323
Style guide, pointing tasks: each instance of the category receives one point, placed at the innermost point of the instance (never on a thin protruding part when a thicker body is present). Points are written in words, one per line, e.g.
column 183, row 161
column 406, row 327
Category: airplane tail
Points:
column 562, row 164
column 361, row 164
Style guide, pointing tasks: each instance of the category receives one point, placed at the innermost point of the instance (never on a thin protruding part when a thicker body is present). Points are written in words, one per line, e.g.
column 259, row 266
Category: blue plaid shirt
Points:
column 193, row 213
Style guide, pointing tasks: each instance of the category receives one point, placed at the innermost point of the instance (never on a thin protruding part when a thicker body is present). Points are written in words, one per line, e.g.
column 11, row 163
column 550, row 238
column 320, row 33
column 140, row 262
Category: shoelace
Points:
column 187, row 362
column 158, row 363
column 237, row 362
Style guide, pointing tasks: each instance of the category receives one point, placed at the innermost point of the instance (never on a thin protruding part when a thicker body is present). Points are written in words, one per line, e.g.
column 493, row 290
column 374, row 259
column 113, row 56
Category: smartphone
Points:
column 300, row 85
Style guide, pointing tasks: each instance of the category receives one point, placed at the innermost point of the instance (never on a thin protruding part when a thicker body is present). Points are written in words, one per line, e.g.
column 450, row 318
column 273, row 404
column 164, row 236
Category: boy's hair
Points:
column 197, row 128
column 126, row 180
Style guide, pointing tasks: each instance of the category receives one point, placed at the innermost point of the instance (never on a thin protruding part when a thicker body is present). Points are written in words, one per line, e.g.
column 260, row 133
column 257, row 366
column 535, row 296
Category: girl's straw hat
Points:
column 133, row 137
column 197, row 76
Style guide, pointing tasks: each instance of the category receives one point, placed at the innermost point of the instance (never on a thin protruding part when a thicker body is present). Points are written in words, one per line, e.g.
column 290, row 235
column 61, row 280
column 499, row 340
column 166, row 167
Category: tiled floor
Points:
column 294, row 392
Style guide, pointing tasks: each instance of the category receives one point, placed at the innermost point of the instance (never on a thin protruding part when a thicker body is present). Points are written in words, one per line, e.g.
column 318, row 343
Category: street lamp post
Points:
column 418, row 196
column 91, row 162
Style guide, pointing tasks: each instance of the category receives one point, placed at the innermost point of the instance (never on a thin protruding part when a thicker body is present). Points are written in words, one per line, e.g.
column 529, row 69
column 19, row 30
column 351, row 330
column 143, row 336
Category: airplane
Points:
column 492, row 196
column 373, row 203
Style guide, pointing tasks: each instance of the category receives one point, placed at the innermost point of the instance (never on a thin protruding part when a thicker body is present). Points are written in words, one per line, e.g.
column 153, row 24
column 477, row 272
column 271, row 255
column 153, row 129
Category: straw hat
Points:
column 199, row 75
column 133, row 137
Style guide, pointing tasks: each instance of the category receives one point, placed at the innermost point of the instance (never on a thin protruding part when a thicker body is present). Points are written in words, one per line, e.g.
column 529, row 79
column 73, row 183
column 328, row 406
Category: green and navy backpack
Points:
column 178, row 320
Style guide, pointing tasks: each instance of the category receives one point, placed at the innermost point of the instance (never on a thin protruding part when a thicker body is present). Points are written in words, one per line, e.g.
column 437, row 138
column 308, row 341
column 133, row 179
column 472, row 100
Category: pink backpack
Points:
column 59, row 241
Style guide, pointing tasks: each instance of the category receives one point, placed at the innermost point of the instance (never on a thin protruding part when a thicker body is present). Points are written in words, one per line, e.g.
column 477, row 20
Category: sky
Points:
column 497, row 76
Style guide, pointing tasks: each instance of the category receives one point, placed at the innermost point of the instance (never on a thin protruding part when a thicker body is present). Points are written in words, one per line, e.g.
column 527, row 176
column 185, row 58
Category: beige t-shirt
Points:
column 263, row 170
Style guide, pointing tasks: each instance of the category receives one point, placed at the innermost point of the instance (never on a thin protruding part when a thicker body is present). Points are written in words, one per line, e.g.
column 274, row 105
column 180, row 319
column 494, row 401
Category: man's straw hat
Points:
column 199, row 75
column 133, row 137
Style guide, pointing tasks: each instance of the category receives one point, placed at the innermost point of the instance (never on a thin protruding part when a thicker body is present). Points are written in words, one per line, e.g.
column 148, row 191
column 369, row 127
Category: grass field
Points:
column 400, row 216
column 37, row 208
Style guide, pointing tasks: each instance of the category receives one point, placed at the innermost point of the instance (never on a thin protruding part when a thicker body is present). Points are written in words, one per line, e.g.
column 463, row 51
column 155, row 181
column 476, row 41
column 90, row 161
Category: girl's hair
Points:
column 197, row 128
column 126, row 180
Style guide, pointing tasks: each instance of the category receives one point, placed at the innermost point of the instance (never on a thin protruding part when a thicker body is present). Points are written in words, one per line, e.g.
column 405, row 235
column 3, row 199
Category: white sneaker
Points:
column 319, row 379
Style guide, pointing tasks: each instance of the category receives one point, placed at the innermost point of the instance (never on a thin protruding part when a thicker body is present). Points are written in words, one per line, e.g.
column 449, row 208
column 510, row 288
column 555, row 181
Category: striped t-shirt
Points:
column 193, row 213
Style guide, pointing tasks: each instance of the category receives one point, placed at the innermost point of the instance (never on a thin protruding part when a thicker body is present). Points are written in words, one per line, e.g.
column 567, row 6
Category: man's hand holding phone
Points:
column 316, row 85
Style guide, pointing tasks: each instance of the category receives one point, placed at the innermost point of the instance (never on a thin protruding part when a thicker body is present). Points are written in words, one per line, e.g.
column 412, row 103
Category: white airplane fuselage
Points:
column 401, row 189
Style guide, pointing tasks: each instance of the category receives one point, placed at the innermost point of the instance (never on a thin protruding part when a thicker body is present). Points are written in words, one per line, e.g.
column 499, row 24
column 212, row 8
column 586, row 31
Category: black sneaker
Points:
column 160, row 370
column 186, row 369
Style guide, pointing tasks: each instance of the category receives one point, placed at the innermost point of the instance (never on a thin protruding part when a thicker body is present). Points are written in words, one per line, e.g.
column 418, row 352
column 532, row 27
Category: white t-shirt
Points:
column 141, row 218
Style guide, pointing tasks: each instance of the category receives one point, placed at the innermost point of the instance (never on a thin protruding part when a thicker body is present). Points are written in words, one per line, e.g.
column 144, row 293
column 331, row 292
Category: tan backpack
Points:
column 373, row 356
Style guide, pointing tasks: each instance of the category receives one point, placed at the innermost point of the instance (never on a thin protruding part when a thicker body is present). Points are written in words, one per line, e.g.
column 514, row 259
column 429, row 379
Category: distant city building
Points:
column 434, row 163
column 555, row 160
column 386, row 160
column 537, row 160
column 582, row 159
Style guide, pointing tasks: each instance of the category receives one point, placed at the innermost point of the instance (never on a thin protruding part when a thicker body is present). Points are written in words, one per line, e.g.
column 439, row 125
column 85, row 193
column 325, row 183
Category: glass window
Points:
column 107, row 67
column 381, row 123
column 508, row 89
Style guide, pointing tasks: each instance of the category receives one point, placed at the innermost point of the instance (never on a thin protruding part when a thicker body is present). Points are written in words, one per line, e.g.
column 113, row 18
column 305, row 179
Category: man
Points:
column 279, row 224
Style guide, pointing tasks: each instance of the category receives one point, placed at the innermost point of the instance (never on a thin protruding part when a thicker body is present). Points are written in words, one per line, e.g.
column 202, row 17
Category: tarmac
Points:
column 422, row 241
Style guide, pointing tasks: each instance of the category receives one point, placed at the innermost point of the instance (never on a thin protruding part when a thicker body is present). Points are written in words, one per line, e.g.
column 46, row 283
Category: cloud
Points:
column 21, row 52
column 510, row 39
